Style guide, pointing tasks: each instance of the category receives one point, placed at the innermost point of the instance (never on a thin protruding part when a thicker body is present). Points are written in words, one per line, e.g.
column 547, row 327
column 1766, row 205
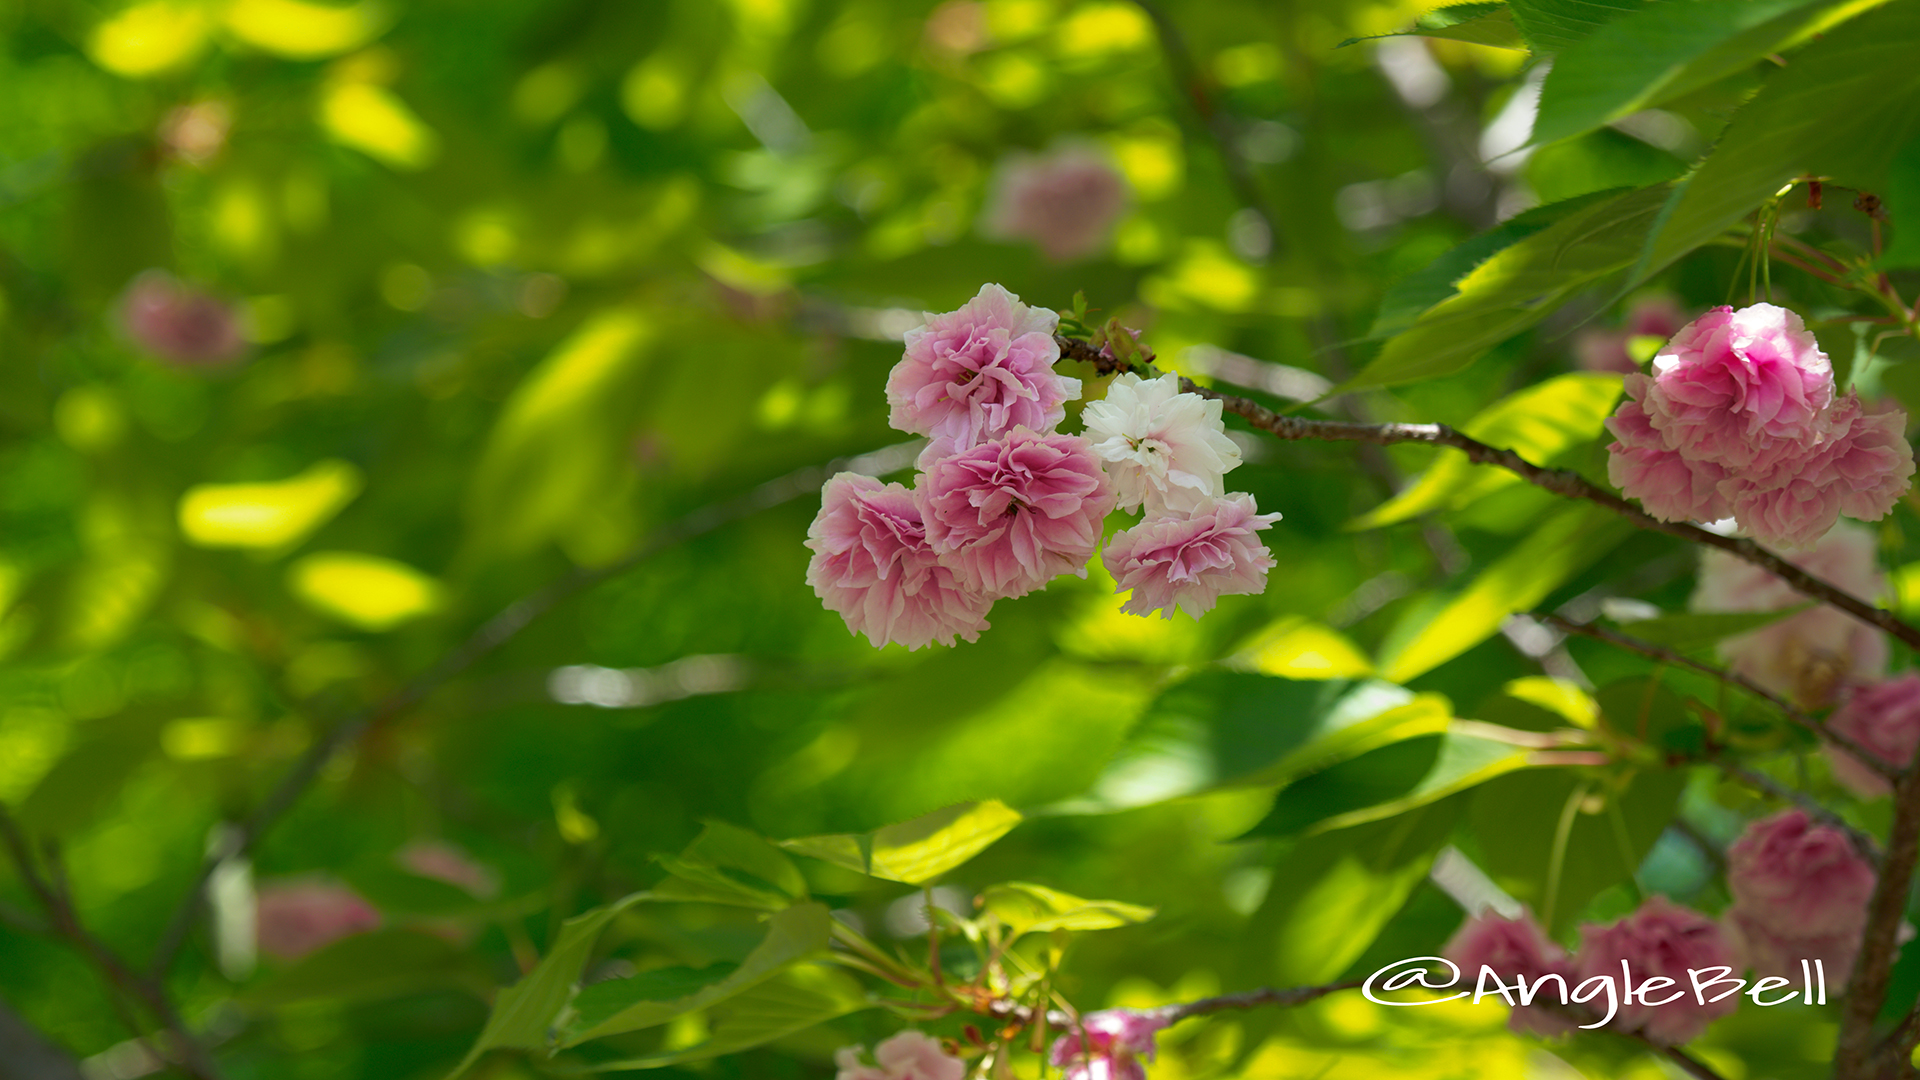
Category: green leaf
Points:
column 1599, row 161
column 796, row 999
column 398, row 892
column 1517, row 287
column 1539, row 423
column 917, row 851
column 1840, row 110
column 1389, row 781
column 726, row 864
column 1333, row 893
column 1554, row 25
column 523, row 1014
column 619, row 1005
column 1664, row 51
column 1516, row 817
column 1028, row 909
column 1684, row 633
column 1902, row 201
column 88, row 779
column 1480, row 24
column 368, row 967
column 1561, row 547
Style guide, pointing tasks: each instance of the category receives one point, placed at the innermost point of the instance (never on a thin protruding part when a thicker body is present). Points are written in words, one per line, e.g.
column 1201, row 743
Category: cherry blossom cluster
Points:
column 1066, row 201
column 1800, row 892
column 1004, row 502
column 1740, row 419
column 1106, row 1045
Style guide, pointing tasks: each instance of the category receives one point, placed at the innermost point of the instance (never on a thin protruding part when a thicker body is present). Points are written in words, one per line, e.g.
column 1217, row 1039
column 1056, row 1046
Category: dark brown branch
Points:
column 1867, row 991
column 1559, row 481
column 1251, row 999
column 492, row 634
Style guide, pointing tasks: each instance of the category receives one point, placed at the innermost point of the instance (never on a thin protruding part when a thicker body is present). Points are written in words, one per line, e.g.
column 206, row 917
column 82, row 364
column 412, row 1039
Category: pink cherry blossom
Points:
column 1191, row 560
column 1884, row 718
column 179, row 324
column 294, row 918
column 1114, row 1041
column 1514, row 949
column 442, row 861
column 1799, row 890
column 872, row 564
column 972, row 375
column 1066, row 201
column 1009, row 516
column 1812, row 655
column 1734, row 387
column 1868, row 460
column 1162, row 448
column 1669, row 485
column 1662, row 939
column 910, row 1055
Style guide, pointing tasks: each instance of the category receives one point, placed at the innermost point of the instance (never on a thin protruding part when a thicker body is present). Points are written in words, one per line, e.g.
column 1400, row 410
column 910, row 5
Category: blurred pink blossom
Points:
column 1799, row 890
column 1810, row 656
column 1514, row 949
column 1162, row 448
column 1662, row 940
column 294, row 918
column 872, row 564
column 1007, row 517
column 442, row 861
column 179, row 324
column 1603, row 349
column 972, row 375
column 1066, row 201
column 910, row 1055
column 1191, row 560
column 1115, row 1040
column 1884, row 718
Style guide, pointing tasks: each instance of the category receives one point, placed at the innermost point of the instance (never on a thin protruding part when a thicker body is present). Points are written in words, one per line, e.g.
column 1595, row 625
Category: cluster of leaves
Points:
column 527, row 284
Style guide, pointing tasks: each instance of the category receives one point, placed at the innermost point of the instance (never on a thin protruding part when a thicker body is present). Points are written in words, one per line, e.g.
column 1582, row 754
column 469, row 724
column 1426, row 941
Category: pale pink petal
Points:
column 873, row 566
column 1191, row 560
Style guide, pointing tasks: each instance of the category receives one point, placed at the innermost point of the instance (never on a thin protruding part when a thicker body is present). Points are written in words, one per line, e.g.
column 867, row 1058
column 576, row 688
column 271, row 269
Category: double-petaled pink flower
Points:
column 1662, row 940
column 1800, row 891
column 1008, row 516
column 872, row 564
column 1107, row 1046
column 1884, row 718
column 1740, row 418
column 1515, row 949
column 1191, row 560
column 1814, row 655
column 973, row 375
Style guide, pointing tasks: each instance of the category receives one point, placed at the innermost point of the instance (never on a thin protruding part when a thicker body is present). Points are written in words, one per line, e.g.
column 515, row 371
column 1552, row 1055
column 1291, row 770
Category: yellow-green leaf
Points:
column 1027, row 908
column 1296, row 647
column 365, row 591
column 269, row 516
column 916, row 851
column 303, row 31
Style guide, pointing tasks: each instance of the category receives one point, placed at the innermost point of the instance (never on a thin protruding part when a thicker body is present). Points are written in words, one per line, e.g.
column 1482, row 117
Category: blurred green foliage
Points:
column 523, row 284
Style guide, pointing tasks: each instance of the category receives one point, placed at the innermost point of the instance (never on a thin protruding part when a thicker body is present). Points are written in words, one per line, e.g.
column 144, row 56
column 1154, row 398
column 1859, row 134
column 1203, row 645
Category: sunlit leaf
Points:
column 1299, row 648
column 1388, row 781
column 1557, row 696
column 365, row 591
column 150, row 38
column 1033, row 909
column 916, row 851
column 798, row 998
column 374, row 121
column 1554, row 25
column 269, row 516
column 305, row 31
column 1477, row 23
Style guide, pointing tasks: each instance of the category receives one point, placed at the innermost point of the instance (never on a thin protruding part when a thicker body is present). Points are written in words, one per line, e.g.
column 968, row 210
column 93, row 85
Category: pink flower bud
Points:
column 1066, row 201
column 294, row 918
column 1191, row 560
column 872, row 564
column 1009, row 516
column 910, row 1055
column 1662, row 940
column 1514, row 949
column 1884, row 718
column 1799, row 891
column 178, row 324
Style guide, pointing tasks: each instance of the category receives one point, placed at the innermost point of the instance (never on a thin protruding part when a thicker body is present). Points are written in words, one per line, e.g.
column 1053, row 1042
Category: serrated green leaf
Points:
column 1029, row 909
column 796, row 999
column 524, row 1014
column 1479, row 24
column 370, row 967
column 1553, row 25
column 732, row 847
column 1685, row 633
column 1516, row 288
column 917, row 851
column 620, row 1005
column 1664, row 51
column 1539, row 423
column 1388, row 781
column 1840, row 110
column 1561, row 547
column 700, row 882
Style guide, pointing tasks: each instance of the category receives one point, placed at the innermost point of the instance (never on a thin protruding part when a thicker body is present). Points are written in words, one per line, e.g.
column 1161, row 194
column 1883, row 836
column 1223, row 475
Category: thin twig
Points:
column 1559, row 481
column 1668, row 656
column 1251, row 999
column 1863, row 843
column 491, row 635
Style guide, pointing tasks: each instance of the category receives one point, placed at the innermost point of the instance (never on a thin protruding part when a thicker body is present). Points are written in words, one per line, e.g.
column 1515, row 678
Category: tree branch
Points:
column 1559, row 481
column 1867, row 992
column 491, row 635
